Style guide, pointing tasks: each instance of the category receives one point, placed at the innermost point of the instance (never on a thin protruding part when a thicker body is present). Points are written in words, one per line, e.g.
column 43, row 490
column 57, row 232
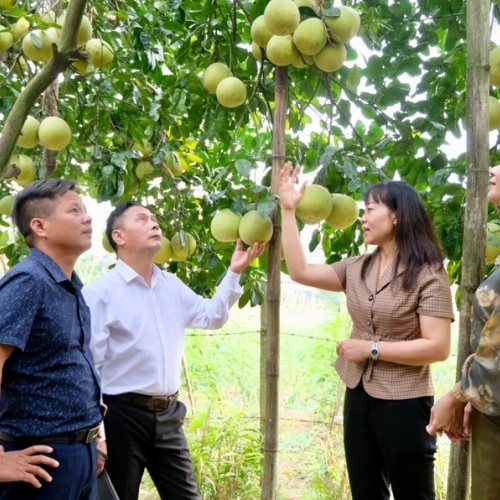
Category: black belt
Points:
column 83, row 436
column 153, row 403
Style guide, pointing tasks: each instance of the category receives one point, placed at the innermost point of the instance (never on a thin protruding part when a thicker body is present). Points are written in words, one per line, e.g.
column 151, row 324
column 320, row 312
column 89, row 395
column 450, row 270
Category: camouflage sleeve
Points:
column 480, row 382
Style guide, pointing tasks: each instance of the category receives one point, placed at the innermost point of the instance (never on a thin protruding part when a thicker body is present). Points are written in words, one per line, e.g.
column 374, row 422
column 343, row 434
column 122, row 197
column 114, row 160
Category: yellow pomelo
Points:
column 144, row 169
column 231, row 92
column 144, row 147
column 255, row 229
column 281, row 17
column 37, row 44
column 28, row 138
column 225, row 224
column 331, row 57
column 54, row 133
column 6, row 204
column 183, row 245
column 315, row 205
column 213, row 75
column 344, row 212
column 100, row 52
column 493, row 113
column 106, row 244
column 163, row 255
column 84, row 32
column 19, row 28
column 27, row 171
column 260, row 32
column 492, row 242
column 495, row 66
column 6, row 38
column 281, row 50
column 344, row 27
column 310, row 36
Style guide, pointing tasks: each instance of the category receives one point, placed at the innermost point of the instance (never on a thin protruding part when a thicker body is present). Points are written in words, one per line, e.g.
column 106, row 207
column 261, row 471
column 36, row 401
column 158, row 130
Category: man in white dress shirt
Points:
column 139, row 316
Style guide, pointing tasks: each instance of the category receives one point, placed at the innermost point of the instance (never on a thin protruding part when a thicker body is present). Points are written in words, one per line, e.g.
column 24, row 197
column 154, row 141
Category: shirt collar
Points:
column 128, row 274
column 53, row 268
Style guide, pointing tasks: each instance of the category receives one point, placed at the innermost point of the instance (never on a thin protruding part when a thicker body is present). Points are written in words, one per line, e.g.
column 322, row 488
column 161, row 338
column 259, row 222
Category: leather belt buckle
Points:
column 92, row 434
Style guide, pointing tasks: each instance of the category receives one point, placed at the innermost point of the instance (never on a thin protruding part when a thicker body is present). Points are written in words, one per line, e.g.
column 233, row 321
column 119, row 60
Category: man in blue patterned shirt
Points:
column 49, row 388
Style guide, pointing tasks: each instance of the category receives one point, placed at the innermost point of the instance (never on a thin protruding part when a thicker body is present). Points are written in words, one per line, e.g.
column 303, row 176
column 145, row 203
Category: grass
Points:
column 223, row 410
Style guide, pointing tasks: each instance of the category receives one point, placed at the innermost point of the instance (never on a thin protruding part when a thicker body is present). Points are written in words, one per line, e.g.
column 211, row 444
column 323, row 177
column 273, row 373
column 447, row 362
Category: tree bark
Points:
column 474, row 239
column 270, row 473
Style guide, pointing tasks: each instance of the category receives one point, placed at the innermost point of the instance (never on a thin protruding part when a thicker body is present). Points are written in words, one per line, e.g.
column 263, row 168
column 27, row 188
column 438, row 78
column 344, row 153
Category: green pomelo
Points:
column 100, row 52
column 6, row 204
column 225, row 225
column 310, row 36
column 281, row 17
column 255, row 229
column 231, row 92
column 164, row 253
column 213, row 75
column 492, row 242
column 495, row 66
column 28, row 138
column 6, row 38
column 493, row 113
column 344, row 27
column 315, row 205
column 37, row 44
column 54, row 133
column 260, row 32
column 144, row 169
column 27, row 170
column 345, row 212
column 331, row 57
column 281, row 50
column 183, row 245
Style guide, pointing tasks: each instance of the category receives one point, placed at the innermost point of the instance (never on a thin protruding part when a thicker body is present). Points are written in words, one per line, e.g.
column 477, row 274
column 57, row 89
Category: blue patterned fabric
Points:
column 49, row 384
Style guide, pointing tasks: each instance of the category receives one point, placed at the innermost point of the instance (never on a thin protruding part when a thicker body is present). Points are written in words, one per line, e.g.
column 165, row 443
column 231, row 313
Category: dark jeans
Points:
column 386, row 444
column 138, row 438
column 485, row 449
column 74, row 479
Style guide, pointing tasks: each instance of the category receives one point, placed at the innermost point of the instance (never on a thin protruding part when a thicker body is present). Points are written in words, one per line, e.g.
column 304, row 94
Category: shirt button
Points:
column 368, row 322
column 370, row 297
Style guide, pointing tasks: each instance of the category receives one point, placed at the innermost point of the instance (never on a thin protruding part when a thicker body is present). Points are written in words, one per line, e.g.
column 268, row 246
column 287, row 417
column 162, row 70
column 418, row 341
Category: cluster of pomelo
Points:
column 172, row 163
column 251, row 228
column 179, row 248
column 301, row 33
column 230, row 91
column 338, row 210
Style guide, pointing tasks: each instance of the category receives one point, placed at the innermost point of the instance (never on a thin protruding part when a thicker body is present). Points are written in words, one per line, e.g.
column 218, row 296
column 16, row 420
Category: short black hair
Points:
column 35, row 200
column 113, row 220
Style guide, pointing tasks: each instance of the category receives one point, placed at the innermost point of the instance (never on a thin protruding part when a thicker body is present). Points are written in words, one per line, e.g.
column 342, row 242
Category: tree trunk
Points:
column 474, row 242
column 270, row 474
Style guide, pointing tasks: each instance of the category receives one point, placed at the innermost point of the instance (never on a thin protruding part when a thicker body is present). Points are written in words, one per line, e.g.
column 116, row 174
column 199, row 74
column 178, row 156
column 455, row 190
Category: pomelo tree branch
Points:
column 63, row 56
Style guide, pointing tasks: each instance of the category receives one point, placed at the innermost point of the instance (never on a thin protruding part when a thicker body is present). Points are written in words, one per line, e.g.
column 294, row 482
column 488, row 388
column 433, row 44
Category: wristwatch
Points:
column 374, row 351
column 457, row 393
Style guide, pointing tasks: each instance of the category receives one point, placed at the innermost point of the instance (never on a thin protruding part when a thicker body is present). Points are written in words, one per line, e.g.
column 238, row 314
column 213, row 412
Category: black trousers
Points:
column 139, row 439
column 386, row 445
